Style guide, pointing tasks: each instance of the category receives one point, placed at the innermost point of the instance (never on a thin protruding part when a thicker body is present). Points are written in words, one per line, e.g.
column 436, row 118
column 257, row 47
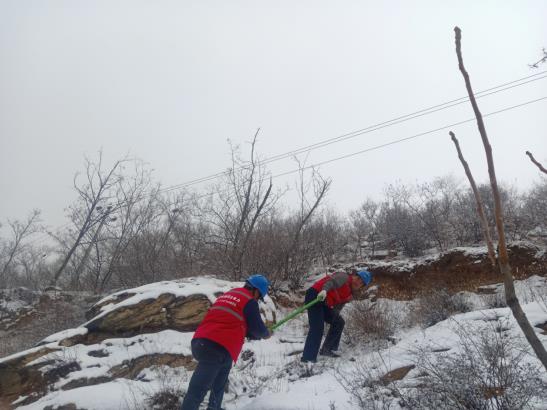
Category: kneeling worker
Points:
column 335, row 291
column 219, row 339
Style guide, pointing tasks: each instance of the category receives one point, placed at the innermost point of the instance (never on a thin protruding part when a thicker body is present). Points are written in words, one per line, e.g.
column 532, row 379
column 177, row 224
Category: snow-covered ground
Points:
column 269, row 374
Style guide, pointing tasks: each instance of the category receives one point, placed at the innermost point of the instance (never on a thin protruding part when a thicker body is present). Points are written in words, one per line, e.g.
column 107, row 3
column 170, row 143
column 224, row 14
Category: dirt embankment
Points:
column 455, row 270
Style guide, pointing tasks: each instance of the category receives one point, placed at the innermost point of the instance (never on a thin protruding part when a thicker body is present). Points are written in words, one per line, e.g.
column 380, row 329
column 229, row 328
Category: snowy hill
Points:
column 85, row 368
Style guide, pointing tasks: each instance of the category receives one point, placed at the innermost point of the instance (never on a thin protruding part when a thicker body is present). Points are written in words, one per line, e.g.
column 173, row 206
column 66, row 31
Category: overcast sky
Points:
column 170, row 81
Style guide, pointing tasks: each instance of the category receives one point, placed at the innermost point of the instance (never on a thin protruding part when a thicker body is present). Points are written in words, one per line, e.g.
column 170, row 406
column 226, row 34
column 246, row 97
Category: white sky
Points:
column 170, row 81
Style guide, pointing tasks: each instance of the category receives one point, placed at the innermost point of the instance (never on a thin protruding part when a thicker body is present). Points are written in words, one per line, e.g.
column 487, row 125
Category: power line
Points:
column 375, row 127
column 403, row 119
column 385, row 124
column 413, row 136
column 394, row 142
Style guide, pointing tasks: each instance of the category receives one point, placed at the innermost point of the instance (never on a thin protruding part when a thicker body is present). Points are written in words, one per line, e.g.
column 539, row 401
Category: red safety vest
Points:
column 335, row 296
column 224, row 322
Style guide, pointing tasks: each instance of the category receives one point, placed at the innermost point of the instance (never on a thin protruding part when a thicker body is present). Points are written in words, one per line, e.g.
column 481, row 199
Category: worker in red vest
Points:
column 219, row 338
column 335, row 291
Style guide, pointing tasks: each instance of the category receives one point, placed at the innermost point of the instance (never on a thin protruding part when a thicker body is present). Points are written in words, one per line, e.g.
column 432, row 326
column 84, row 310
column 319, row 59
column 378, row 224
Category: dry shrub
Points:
column 490, row 372
column 495, row 300
column 160, row 389
column 367, row 391
column 368, row 321
column 434, row 307
column 167, row 398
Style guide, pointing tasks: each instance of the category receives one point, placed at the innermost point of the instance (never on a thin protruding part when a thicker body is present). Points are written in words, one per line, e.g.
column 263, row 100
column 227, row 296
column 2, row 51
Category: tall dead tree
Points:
column 503, row 259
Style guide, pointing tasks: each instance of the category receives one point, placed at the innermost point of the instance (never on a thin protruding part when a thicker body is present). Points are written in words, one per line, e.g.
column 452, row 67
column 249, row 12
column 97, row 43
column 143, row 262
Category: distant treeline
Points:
column 125, row 230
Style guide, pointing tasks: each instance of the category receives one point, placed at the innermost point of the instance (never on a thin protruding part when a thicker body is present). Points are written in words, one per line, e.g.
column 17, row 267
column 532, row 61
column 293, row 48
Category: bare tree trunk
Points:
column 91, row 194
column 93, row 242
column 541, row 168
column 480, row 207
column 505, row 268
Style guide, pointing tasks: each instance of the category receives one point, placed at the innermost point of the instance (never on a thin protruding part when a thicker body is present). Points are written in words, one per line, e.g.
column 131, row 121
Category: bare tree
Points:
column 20, row 230
column 503, row 259
column 464, row 221
column 93, row 194
column 535, row 206
column 366, row 225
column 35, row 270
column 235, row 206
column 435, row 203
column 188, row 249
column 319, row 187
column 328, row 232
column 400, row 223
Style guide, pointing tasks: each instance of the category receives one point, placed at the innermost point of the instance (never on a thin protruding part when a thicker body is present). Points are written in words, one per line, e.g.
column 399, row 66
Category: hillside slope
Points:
column 133, row 352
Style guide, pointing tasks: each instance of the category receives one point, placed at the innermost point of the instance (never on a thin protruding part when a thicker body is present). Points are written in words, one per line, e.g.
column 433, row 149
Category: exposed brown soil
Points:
column 454, row 271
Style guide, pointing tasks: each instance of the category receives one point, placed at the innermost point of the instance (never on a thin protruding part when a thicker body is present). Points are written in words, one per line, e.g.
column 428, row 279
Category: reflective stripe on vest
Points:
column 225, row 321
column 241, row 293
column 225, row 309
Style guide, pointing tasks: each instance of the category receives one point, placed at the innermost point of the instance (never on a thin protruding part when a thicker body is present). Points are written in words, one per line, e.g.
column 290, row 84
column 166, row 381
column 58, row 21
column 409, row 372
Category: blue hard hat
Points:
column 259, row 282
column 366, row 276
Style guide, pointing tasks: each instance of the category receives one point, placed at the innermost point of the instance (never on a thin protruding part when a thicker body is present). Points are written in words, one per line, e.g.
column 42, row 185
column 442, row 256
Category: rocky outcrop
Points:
column 167, row 311
column 117, row 342
column 131, row 369
column 20, row 378
column 114, row 299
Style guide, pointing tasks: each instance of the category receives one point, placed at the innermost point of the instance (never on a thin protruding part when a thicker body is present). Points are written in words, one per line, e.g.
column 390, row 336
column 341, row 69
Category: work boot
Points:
column 328, row 353
column 306, row 368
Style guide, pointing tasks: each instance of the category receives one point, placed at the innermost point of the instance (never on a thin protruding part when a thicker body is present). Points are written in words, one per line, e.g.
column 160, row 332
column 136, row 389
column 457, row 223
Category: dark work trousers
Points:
column 214, row 365
column 318, row 314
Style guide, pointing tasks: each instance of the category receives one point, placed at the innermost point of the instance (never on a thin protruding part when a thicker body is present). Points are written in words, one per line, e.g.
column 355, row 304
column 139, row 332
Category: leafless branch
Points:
column 540, row 61
column 480, row 206
column 503, row 260
column 541, row 168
